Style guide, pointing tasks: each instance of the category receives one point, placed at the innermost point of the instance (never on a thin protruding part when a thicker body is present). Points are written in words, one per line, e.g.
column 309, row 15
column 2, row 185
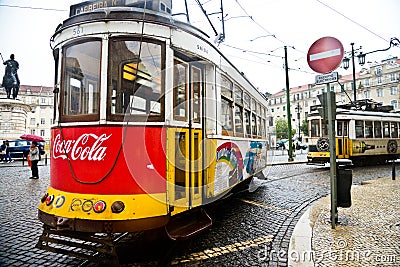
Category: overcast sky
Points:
column 27, row 25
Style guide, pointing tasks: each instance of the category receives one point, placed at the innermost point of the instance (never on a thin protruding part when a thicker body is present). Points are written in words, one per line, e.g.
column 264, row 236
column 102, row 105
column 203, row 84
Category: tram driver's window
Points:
column 134, row 79
column 359, row 129
column 81, row 72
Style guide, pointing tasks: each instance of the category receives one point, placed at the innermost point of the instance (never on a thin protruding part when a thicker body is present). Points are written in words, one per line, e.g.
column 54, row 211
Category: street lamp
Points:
column 346, row 61
column 298, row 109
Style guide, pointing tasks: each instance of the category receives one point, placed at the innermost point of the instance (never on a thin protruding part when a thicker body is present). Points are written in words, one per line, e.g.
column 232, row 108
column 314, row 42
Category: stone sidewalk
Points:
column 368, row 233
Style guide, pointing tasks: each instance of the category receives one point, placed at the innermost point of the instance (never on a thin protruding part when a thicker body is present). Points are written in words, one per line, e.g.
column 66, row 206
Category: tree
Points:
column 304, row 127
column 281, row 129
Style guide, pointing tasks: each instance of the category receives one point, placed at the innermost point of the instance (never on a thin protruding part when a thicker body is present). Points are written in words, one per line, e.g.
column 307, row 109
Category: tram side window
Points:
column 368, row 129
column 247, row 122
column 394, row 130
column 377, row 129
column 180, row 90
column 359, row 129
column 238, row 120
column 226, row 116
column 315, row 128
column 386, row 129
column 135, row 79
column 81, row 74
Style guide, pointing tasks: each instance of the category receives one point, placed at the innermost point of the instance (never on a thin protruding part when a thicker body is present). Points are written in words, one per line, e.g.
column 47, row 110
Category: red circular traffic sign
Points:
column 325, row 55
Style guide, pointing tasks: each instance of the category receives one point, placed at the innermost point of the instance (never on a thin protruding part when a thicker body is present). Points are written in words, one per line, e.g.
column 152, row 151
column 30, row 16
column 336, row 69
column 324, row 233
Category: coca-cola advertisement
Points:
column 108, row 160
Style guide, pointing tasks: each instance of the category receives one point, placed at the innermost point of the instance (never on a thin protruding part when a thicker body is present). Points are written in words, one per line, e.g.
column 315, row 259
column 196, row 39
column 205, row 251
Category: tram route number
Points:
column 77, row 31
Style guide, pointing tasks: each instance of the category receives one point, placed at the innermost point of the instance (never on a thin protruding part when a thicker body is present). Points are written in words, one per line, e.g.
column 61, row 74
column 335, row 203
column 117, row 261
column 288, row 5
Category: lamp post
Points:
column 298, row 109
column 289, row 119
column 346, row 66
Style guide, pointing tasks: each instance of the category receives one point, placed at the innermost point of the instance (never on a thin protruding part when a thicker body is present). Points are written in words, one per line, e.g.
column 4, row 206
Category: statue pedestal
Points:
column 13, row 118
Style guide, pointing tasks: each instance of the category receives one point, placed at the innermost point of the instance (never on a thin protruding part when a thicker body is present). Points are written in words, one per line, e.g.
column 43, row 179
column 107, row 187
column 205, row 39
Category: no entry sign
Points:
column 325, row 55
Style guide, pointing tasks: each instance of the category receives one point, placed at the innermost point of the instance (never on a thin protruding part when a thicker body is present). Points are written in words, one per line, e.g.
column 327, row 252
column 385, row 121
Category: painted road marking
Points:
column 265, row 206
column 325, row 54
column 218, row 251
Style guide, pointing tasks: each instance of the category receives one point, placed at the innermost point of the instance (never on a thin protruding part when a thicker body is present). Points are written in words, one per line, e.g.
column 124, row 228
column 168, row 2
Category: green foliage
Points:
column 281, row 128
column 304, row 127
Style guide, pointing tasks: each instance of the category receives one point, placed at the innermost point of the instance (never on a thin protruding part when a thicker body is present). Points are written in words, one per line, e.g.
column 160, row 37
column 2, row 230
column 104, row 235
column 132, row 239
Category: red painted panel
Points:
column 108, row 160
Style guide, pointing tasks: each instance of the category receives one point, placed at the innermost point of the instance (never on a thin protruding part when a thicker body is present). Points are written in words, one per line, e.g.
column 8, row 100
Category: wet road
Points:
column 249, row 229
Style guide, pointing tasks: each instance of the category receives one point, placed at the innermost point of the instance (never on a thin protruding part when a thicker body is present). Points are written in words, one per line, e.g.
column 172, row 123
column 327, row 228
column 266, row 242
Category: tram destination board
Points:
column 326, row 78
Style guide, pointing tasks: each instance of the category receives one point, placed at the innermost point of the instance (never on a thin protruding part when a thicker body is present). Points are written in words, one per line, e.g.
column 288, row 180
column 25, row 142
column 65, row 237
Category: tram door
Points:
column 342, row 144
column 185, row 143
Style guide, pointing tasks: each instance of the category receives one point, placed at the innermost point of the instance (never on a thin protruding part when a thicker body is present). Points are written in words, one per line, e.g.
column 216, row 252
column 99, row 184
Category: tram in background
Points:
column 369, row 135
column 151, row 123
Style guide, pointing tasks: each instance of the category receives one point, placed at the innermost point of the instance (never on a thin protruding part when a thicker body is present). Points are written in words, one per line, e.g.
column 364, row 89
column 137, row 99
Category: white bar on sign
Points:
column 326, row 54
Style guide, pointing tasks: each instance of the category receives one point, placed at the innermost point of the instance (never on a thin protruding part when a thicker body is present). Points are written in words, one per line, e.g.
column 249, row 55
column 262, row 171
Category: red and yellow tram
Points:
column 151, row 121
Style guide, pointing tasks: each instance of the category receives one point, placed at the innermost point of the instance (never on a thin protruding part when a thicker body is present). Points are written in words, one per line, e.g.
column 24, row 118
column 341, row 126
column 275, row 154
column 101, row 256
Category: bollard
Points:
column 23, row 159
column 393, row 170
column 45, row 159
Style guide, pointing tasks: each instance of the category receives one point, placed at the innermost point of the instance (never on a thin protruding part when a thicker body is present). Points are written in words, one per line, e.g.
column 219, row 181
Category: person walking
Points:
column 34, row 158
column 7, row 157
column 3, row 152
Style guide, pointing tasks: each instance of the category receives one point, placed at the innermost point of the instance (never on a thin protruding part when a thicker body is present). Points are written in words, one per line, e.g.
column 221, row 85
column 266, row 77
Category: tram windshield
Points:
column 134, row 80
column 81, row 72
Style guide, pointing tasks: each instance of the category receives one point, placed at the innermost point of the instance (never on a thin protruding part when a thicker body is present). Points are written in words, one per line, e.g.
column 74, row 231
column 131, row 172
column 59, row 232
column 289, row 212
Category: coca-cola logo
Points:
column 86, row 147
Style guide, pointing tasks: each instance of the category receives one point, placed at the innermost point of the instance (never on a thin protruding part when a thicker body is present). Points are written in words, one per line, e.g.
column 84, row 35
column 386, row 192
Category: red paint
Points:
column 108, row 160
column 328, row 64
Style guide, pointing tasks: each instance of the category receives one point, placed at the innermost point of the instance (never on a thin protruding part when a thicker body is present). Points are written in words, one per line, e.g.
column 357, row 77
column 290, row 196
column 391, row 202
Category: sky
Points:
column 255, row 33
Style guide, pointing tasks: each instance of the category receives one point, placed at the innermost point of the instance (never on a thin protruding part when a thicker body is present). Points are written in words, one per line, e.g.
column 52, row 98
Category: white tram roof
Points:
column 359, row 114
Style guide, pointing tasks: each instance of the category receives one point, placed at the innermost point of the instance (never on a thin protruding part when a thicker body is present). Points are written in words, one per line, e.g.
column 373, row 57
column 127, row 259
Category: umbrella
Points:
column 32, row 137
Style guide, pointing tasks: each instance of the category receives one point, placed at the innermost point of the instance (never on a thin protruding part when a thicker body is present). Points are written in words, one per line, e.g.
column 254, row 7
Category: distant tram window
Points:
column 359, row 129
column 394, row 130
column 135, row 79
column 80, row 95
column 368, row 129
column 315, row 128
column 377, row 129
column 386, row 129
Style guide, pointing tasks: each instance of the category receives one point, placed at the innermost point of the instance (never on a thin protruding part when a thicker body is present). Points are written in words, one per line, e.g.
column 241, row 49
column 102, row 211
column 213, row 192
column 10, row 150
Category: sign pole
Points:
column 332, row 151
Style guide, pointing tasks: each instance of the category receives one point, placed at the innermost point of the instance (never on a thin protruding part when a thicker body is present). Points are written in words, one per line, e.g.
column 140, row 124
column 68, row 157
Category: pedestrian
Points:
column 34, row 158
column 7, row 157
column 3, row 148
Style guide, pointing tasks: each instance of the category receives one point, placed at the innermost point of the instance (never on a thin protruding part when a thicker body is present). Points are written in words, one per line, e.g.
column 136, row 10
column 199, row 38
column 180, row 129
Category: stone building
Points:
column 379, row 81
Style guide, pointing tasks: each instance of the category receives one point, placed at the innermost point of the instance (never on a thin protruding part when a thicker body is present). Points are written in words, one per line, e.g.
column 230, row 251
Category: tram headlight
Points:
column 117, row 207
column 44, row 197
column 49, row 200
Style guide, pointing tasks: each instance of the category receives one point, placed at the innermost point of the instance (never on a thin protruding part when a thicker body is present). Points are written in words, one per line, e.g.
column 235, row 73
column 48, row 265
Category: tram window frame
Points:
column 394, row 130
column 386, row 129
column 197, row 85
column 65, row 93
column 247, row 119
column 150, row 113
column 179, row 105
column 369, row 131
column 226, row 118
column 226, row 87
column 378, row 130
column 359, row 128
column 239, row 130
column 315, row 128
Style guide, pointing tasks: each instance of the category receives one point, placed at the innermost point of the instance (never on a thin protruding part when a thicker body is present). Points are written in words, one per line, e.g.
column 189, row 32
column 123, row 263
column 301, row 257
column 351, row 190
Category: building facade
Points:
column 40, row 99
column 380, row 82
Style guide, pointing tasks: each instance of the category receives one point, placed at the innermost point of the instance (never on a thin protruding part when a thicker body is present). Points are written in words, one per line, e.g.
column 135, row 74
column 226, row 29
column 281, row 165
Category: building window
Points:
column 392, row 77
column 394, row 103
column 33, row 121
column 43, row 100
column 42, row 121
column 42, row 132
column 379, row 92
column 367, row 94
column 379, row 80
column 366, row 82
column 378, row 71
column 32, row 131
column 393, row 90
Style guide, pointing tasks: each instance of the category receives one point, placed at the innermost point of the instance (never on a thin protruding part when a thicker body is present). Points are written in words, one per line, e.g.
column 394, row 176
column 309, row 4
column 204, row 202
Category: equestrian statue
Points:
column 10, row 79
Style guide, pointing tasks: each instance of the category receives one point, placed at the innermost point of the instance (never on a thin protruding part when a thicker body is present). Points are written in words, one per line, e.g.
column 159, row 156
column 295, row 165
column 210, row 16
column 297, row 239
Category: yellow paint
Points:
column 81, row 205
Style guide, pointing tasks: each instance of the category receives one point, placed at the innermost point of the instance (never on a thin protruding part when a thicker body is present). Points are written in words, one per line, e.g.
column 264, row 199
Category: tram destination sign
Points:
column 326, row 78
column 88, row 6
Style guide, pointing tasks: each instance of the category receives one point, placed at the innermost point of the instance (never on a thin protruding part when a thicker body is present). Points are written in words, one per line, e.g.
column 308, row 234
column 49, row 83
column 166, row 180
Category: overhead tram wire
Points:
column 353, row 21
column 36, row 8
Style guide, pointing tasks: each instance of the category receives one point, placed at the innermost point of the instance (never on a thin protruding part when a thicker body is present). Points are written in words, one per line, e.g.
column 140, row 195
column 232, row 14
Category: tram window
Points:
column 386, row 129
column 368, row 129
column 247, row 122
column 359, row 129
column 238, row 120
column 180, row 90
column 254, row 124
column 253, row 105
column 315, row 128
column 226, row 87
column 259, row 123
column 135, row 79
column 262, row 128
column 81, row 75
column 394, row 130
column 238, row 95
column 377, row 129
column 325, row 130
column 246, row 99
column 196, row 85
column 226, row 116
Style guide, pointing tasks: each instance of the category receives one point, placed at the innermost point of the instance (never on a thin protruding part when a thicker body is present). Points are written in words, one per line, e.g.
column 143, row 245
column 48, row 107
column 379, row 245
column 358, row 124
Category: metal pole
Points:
column 298, row 117
column 289, row 119
column 332, row 151
column 354, row 73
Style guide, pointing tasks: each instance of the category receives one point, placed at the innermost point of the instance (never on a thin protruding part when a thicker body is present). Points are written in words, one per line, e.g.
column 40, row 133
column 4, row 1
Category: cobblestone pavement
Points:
column 249, row 229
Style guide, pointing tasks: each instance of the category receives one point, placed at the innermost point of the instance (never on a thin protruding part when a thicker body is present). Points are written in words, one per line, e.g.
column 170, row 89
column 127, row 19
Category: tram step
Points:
column 185, row 226
column 90, row 247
